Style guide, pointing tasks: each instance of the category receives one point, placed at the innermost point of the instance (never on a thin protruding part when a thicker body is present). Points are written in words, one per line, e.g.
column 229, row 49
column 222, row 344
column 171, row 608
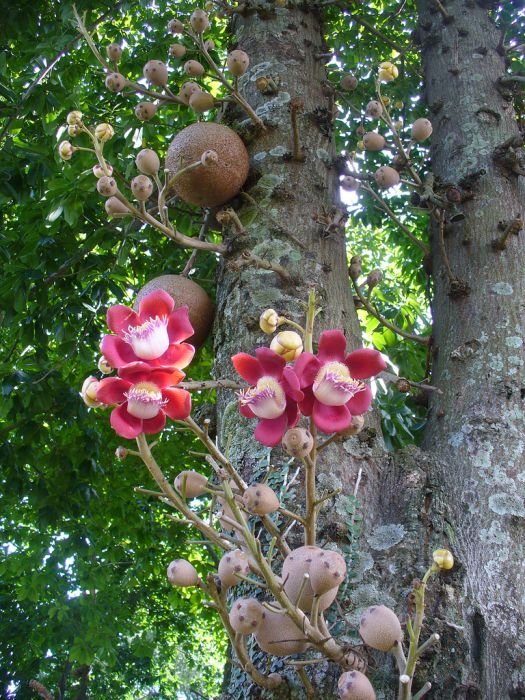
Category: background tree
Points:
column 76, row 553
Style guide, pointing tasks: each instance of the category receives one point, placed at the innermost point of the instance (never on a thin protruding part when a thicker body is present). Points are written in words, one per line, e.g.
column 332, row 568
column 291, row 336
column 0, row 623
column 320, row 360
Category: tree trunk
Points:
column 476, row 426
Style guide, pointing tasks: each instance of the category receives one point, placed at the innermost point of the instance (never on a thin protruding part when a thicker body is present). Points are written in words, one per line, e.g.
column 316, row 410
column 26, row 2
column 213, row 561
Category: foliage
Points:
column 82, row 568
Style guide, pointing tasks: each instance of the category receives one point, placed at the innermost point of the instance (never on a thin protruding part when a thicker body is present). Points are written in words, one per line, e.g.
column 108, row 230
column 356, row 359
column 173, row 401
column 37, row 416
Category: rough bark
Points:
column 476, row 426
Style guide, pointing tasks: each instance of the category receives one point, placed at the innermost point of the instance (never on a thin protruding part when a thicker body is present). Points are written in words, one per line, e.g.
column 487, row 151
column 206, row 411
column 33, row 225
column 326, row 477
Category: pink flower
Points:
column 144, row 397
column 274, row 396
column 153, row 335
column 330, row 381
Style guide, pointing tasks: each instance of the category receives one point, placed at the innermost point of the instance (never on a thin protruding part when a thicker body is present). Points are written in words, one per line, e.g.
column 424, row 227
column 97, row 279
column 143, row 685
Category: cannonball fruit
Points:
column 246, row 615
column 218, row 183
column 298, row 442
column 187, row 91
column 145, row 111
column 142, row 187
column 107, row 186
column 278, row 635
column 231, row 564
column 114, row 52
column 201, row 101
column 191, row 484
column 238, row 62
column 147, row 161
column 386, row 177
column 193, row 68
column 349, row 82
column 327, row 571
column 115, row 82
column 380, row 628
column 188, row 293
column 260, row 499
column 374, row 109
column 177, row 50
column 354, row 685
column 156, row 73
column 421, row 129
column 373, row 141
column 182, row 573
column 199, row 21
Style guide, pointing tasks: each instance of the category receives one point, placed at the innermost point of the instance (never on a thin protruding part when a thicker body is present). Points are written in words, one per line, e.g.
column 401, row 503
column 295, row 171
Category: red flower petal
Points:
column 270, row 431
column 307, row 404
column 246, row 411
column 111, row 390
column 178, row 355
column 150, row 426
column 272, row 363
column 248, row 367
column 156, row 303
column 120, row 317
column 143, row 372
column 179, row 403
column 332, row 346
column 290, row 384
column 124, row 424
column 292, row 413
column 331, row 419
column 365, row 363
column 116, row 351
column 179, row 326
column 360, row 403
column 306, row 367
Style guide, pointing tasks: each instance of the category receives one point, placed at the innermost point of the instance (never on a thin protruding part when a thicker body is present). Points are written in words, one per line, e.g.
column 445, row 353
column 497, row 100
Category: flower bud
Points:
column 181, row 573
column 374, row 278
column 199, row 21
column 121, row 452
column 175, row 26
column 115, row 82
column 387, row 71
column 142, row 187
column 177, row 50
column 209, row 45
column 349, row 183
column 193, row 68
column 104, row 366
column 114, row 52
column 74, row 117
column 104, row 131
column 147, row 161
column 298, row 442
column 191, row 484
column 380, row 628
column 421, row 129
column 114, row 207
column 98, row 170
column 287, row 344
column 145, row 111
column 89, row 392
column 107, row 186
column 268, row 321
column 65, row 150
column 348, row 82
column 355, row 427
column 238, row 62
column 156, row 73
column 209, row 157
column 74, row 129
column 443, row 559
column 374, row 109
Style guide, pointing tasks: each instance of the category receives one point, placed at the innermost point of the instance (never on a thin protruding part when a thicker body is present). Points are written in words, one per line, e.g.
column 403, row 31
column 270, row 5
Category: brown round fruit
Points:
column 349, row 183
column 145, row 111
column 327, row 571
column 199, row 21
column 217, row 183
column 175, row 26
column 380, row 628
column 186, row 293
column 354, row 685
column 238, row 62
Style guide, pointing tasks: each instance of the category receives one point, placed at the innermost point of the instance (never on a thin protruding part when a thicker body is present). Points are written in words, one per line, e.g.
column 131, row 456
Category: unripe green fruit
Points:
column 147, row 161
column 115, row 82
column 107, row 186
column 145, row 111
column 238, row 62
column 156, row 72
column 193, row 68
column 142, row 187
